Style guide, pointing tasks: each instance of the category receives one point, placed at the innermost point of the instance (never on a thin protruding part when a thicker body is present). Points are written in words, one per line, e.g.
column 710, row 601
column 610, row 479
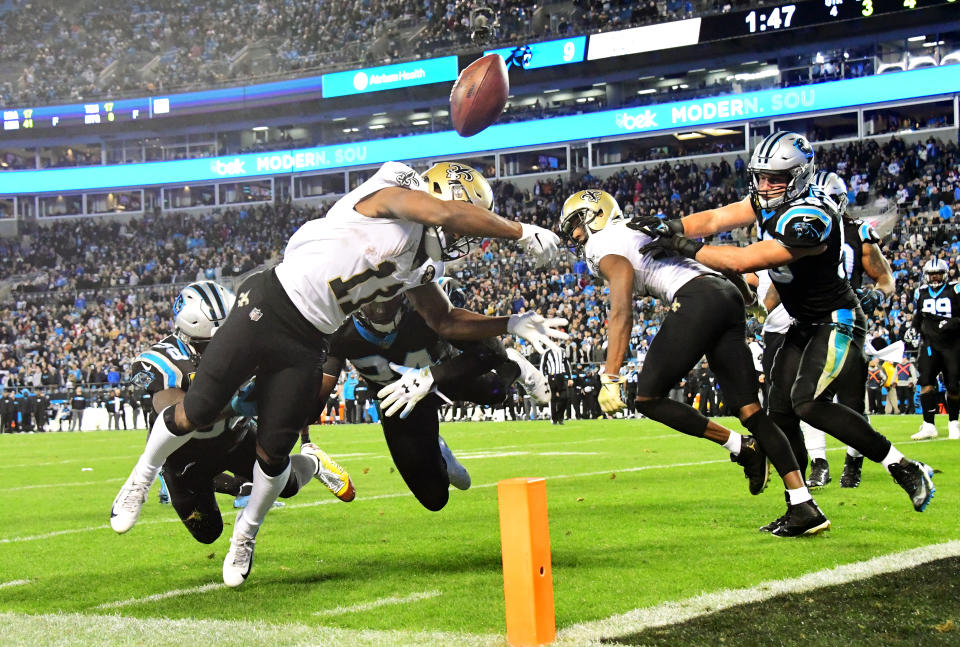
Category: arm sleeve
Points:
column 803, row 226
column 148, row 377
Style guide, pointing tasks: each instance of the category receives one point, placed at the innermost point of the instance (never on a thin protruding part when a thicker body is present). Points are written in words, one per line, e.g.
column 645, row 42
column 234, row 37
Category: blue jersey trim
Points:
column 802, row 211
column 164, row 365
column 383, row 342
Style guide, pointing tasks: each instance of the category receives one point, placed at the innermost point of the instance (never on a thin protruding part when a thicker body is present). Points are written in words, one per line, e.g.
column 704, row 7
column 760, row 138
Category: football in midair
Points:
column 479, row 95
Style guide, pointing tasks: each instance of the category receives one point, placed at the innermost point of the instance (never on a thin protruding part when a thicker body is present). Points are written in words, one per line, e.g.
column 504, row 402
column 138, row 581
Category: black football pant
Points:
column 264, row 335
column 815, row 358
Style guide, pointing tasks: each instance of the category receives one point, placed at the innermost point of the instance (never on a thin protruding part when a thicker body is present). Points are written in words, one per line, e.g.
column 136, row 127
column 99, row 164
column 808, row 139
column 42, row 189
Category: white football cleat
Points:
column 239, row 559
column 927, row 430
column 128, row 504
column 532, row 380
column 457, row 474
column 334, row 478
column 953, row 429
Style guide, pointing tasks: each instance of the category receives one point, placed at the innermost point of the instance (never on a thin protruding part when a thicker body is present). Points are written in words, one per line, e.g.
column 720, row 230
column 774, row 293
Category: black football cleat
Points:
column 756, row 467
column 852, row 467
column 773, row 525
column 917, row 479
column 819, row 473
column 803, row 519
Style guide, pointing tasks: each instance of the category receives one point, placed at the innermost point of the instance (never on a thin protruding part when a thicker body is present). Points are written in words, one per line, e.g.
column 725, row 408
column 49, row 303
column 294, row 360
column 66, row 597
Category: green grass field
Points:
column 639, row 516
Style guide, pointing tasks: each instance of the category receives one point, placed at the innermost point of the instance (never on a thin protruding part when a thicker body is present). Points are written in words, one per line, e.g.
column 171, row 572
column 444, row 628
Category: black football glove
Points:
column 870, row 299
column 663, row 246
column 653, row 226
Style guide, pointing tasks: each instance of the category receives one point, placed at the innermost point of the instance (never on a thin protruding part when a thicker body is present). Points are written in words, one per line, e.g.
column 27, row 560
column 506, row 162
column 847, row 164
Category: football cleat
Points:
column 329, row 472
column 802, row 519
column 917, row 479
column 773, row 525
column 953, row 430
column 532, row 380
column 756, row 467
column 819, row 473
column 927, row 430
column 852, row 466
column 239, row 559
column 128, row 504
column 457, row 474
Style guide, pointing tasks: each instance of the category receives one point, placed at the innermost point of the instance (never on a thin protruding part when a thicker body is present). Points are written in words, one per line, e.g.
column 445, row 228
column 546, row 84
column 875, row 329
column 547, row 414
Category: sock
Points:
column 928, row 405
column 303, row 468
column 893, row 456
column 815, row 440
column 733, row 443
column 852, row 453
column 800, row 495
column 953, row 406
column 160, row 444
column 266, row 489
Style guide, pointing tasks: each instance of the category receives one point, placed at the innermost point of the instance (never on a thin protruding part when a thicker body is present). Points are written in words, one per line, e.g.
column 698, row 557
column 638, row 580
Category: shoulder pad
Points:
column 803, row 226
column 956, row 288
column 916, row 294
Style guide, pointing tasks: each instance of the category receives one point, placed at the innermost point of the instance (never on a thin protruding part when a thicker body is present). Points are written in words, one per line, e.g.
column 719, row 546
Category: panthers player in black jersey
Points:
column 197, row 470
column 861, row 254
column 801, row 240
column 395, row 351
column 937, row 319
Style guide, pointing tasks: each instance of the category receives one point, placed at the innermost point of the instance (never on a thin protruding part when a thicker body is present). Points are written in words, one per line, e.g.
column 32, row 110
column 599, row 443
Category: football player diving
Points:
column 801, row 237
column 937, row 319
column 195, row 471
column 706, row 317
column 377, row 241
column 861, row 254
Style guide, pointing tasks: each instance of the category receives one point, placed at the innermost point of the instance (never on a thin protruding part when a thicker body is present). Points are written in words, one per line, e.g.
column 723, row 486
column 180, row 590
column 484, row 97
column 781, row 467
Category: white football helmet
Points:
column 789, row 158
column 834, row 186
column 454, row 181
column 199, row 311
column 935, row 272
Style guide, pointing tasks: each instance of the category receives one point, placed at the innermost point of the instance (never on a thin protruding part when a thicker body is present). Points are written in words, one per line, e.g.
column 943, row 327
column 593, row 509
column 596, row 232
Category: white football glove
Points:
column 542, row 243
column 537, row 330
column 609, row 397
column 406, row 392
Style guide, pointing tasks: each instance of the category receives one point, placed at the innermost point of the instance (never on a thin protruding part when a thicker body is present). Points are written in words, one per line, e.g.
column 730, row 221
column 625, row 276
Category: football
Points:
column 479, row 95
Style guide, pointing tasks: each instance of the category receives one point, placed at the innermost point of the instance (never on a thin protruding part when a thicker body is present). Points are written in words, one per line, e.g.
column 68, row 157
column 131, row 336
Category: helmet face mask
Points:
column 782, row 158
column 200, row 310
column 835, row 188
column 455, row 181
column 382, row 317
column 589, row 211
column 935, row 272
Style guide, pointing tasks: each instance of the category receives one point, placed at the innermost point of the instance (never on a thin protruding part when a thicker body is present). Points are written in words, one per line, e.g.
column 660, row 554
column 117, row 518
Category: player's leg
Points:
column 929, row 366
column 832, row 350
column 951, row 380
column 196, row 505
column 414, row 445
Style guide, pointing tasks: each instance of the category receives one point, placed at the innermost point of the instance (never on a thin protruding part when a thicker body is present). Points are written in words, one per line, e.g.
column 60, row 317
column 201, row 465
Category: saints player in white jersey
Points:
column 706, row 317
column 801, row 241
column 379, row 240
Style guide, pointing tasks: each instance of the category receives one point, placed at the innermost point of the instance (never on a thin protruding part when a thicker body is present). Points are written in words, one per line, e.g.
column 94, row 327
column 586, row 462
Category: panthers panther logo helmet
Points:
column 789, row 158
column 199, row 311
column 591, row 209
column 935, row 272
column 834, row 186
column 455, row 181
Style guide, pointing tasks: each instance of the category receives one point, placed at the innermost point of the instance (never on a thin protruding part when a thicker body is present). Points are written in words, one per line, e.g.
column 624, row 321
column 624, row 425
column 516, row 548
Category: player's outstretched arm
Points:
column 878, row 268
column 457, row 323
column 618, row 273
column 712, row 221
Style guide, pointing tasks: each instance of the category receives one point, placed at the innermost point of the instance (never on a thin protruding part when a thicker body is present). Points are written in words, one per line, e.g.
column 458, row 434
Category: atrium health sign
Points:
column 389, row 77
column 668, row 116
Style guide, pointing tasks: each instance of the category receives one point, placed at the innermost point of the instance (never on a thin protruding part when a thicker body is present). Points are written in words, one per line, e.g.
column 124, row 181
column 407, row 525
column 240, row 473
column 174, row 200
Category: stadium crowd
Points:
column 82, row 309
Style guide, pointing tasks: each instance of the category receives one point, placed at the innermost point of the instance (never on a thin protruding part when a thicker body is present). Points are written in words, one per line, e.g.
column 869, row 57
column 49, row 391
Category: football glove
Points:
column 537, row 330
column 542, row 243
column 404, row 394
column 609, row 397
column 664, row 246
column 653, row 226
column 870, row 299
column 244, row 403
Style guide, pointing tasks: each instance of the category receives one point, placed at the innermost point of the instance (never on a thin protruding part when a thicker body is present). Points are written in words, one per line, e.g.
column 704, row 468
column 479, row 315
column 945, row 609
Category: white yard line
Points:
column 670, row 613
column 31, row 630
column 4, row 585
column 161, row 596
column 42, row 486
column 382, row 602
